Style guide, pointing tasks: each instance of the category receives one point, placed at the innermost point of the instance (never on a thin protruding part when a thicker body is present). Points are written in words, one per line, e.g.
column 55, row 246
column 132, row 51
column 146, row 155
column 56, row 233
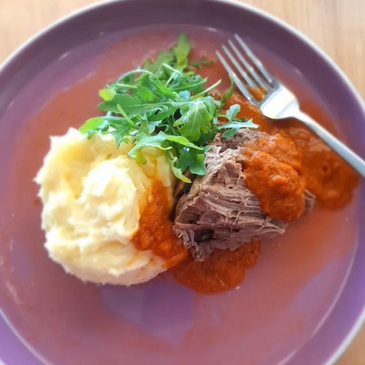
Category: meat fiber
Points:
column 220, row 211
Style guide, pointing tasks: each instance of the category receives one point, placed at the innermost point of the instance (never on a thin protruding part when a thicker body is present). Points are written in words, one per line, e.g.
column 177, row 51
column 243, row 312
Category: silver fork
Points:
column 278, row 102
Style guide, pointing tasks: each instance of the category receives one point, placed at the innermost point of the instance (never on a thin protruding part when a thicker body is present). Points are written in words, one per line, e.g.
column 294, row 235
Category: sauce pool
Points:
column 220, row 271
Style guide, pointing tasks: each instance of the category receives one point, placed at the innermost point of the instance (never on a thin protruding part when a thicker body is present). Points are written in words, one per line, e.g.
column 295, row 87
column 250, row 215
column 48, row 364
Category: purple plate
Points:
column 294, row 312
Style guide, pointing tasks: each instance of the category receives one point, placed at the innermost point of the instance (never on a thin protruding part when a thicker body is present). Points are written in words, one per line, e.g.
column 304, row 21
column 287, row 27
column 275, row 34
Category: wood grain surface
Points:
column 337, row 26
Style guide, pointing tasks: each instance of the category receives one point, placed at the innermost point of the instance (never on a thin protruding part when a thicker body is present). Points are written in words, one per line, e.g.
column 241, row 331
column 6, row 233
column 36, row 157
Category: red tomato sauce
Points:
column 155, row 229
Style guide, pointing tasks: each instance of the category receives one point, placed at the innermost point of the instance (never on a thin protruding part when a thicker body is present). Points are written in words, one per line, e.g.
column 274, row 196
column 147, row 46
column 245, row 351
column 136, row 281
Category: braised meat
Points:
column 220, row 211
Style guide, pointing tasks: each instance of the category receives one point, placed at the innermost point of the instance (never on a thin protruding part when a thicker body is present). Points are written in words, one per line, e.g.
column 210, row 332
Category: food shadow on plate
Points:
column 161, row 308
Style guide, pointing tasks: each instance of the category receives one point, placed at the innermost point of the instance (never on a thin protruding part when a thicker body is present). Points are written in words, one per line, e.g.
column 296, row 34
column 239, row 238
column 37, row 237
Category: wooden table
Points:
column 337, row 26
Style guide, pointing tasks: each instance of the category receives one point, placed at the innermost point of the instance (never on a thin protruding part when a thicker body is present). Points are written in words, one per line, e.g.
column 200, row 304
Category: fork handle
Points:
column 348, row 155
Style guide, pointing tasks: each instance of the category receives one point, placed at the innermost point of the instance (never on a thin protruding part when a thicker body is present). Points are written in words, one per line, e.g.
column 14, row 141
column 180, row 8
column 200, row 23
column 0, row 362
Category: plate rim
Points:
column 359, row 322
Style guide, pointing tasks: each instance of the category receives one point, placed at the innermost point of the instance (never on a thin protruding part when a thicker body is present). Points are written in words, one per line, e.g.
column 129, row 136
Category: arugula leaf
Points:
column 163, row 57
column 147, row 141
column 161, row 113
column 178, row 172
column 178, row 139
column 120, row 127
column 102, row 127
column 158, row 141
column 232, row 112
column 163, row 89
column 234, row 123
column 233, row 127
column 186, row 95
column 228, row 93
column 121, row 133
column 148, row 65
column 152, row 126
column 195, row 120
column 193, row 160
column 166, row 106
column 182, row 50
column 200, row 62
column 107, row 94
column 188, row 82
column 98, row 124
column 91, row 124
column 124, row 84
column 177, row 57
column 124, row 100
column 145, row 94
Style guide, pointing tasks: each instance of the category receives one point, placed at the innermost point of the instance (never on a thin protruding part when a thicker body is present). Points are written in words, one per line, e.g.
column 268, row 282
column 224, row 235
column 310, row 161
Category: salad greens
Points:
column 166, row 105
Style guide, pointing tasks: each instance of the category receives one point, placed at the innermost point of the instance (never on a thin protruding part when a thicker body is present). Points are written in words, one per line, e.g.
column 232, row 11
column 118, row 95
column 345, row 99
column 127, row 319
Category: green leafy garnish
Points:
column 202, row 61
column 234, row 123
column 177, row 57
column 166, row 106
column 182, row 50
column 229, row 92
column 192, row 159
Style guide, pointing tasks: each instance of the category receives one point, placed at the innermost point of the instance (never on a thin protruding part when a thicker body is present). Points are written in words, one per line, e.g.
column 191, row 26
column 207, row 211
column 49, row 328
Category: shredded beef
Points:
column 220, row 211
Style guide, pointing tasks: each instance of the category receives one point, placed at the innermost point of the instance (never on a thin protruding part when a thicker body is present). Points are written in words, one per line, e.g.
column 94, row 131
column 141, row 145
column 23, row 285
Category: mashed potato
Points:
column 92, row 195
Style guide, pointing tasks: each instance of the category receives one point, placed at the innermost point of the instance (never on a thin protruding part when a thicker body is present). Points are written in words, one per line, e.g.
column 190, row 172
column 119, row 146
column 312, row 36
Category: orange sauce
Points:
column 326, row 175
column 220, row 271
column 278, row 187
column 272, row 167
column 155, row 229
column 281, row 148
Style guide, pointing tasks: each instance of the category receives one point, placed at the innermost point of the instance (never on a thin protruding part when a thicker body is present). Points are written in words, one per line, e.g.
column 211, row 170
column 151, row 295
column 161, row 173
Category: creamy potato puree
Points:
column 92, row 195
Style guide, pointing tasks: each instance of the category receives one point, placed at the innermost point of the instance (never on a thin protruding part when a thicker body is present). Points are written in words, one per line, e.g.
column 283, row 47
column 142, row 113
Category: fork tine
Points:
column 238, row 67
column 236, row 80
column 255, row 60
column 259, row 80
